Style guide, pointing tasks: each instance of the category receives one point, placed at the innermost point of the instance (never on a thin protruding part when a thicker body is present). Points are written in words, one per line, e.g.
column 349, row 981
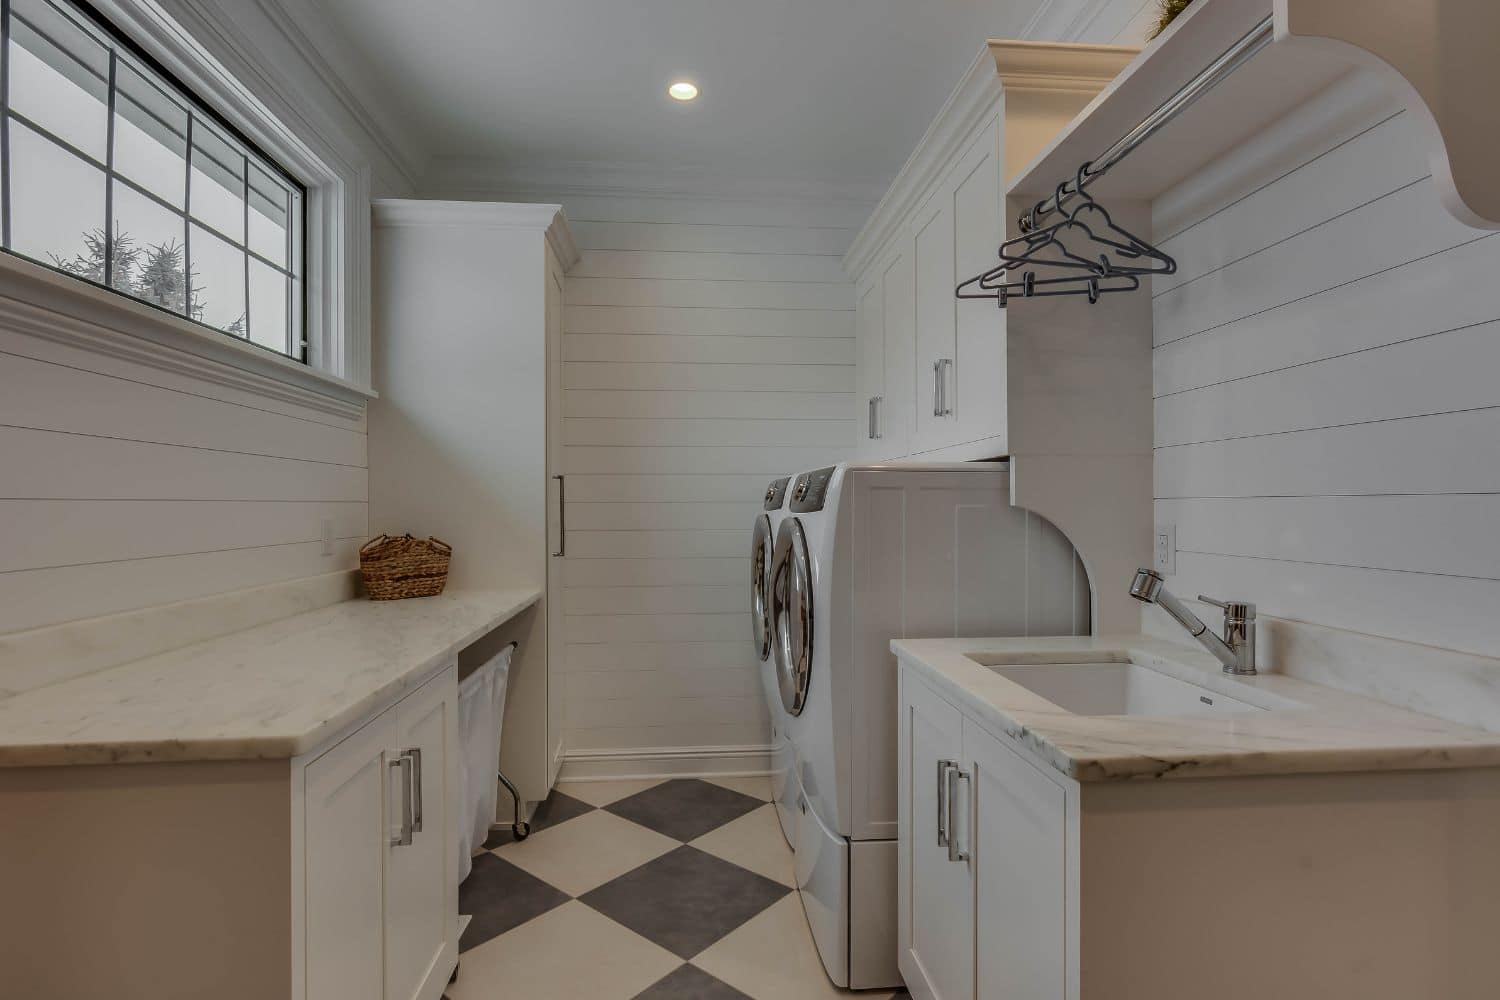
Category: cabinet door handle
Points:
column 415, row 753
column 954, row 776
column 562, row 516
column 940, row 369
column 870, row 418
column 944, row 769
column 877, row 414
column 403, row 764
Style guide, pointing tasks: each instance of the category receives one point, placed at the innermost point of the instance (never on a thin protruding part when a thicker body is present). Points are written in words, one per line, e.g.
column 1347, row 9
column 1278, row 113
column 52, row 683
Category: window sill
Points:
column 40, row 302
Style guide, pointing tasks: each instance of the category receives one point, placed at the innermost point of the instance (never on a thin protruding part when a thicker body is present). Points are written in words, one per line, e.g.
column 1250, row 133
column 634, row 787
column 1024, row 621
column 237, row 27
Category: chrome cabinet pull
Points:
column 944, row 769
column 403, row 764
column 562, row 517
column 877, row 413
column 954, row 776
column 415, row 753
column 870, row 418
column 940, row 369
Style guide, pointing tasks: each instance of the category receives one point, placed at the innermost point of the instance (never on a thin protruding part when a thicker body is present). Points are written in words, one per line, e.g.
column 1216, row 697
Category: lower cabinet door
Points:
column 935, row 891
column 421, row 887
column 1020, row 819
column 346, row 829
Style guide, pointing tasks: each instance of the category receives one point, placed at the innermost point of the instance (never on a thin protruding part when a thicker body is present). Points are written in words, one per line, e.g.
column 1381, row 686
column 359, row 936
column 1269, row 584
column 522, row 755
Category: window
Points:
column 109, row 171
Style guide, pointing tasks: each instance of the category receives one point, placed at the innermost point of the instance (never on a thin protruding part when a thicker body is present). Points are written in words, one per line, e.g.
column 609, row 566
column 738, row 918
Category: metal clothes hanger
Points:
column 1134, row 248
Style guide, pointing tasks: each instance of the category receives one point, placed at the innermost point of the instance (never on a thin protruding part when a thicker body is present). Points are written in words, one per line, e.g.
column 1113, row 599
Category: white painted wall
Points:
column 708, row 348
column 127, row 485
column 1327, row 410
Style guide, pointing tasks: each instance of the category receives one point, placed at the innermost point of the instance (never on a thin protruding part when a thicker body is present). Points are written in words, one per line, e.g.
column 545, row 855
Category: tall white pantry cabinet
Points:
column 467, row 359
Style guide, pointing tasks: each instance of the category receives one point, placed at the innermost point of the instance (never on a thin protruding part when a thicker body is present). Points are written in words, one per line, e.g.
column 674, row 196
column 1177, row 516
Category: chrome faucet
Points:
column 1236, row 650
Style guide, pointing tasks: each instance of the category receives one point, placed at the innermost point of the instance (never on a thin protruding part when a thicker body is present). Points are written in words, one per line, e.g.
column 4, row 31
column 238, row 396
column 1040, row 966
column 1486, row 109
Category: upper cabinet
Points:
column 932, row 369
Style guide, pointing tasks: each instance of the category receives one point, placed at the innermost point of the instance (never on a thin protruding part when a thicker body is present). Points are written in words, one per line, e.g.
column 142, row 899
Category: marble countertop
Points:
column 1328, row 731
column 273, row 691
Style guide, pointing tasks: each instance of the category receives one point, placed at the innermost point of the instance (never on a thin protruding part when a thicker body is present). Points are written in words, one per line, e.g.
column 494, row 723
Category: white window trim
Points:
column 336, row 377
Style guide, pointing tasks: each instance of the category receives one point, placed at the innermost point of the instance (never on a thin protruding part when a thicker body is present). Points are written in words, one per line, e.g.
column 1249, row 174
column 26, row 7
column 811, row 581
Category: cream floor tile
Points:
column 753, row 841
column 586, row 852
column 772, row 957
column 756, row 785
column 602, row 793
column 570, row 952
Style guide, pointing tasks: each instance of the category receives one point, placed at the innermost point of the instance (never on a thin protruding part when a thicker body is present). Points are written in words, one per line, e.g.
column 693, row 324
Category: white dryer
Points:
column 762, row 544
column 865, row 554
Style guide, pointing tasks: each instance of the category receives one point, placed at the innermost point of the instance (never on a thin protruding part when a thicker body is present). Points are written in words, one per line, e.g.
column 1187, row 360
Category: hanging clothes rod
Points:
column 1215, row 73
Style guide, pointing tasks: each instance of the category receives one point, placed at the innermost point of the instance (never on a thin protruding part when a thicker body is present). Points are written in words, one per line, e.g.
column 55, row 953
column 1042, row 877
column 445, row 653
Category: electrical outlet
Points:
column 326, row 533
column 1164, row 552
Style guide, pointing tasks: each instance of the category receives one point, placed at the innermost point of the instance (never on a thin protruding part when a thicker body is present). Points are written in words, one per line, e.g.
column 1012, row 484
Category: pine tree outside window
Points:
column 111, row 172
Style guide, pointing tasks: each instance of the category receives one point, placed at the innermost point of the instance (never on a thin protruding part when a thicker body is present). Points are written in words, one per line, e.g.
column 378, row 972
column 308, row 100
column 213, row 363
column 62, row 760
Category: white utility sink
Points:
column 1116, row 686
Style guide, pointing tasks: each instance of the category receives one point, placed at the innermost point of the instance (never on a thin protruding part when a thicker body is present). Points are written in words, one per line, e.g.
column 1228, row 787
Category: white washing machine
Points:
column 761, row 549
column 865, row 554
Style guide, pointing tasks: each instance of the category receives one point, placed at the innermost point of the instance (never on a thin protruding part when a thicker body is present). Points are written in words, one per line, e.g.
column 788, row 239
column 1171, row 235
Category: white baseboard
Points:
column 664, row 762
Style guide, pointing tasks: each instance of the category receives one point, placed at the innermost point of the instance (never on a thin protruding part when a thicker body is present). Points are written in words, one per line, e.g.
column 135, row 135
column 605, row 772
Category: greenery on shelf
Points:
column 1167, row 11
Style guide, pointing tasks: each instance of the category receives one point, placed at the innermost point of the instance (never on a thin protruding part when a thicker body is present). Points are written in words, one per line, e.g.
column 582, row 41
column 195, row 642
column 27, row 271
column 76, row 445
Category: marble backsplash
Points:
column 37, row 657
column 1457, row 686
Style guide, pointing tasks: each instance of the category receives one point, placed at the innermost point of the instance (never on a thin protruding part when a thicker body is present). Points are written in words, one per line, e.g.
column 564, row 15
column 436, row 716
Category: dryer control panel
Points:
column 810, row 491
column 776, row 493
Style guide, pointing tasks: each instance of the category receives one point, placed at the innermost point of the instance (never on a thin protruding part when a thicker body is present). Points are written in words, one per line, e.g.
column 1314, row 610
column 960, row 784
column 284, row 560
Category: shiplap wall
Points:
column 708, row 348
column 1327, row 401
column 126, row 486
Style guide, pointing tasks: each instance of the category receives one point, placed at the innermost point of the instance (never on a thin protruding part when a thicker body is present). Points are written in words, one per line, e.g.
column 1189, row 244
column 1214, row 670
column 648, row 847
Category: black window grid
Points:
column 250, row 159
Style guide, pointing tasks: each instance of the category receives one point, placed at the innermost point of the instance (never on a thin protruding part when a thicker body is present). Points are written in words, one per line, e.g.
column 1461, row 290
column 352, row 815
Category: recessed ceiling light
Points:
column 683, row 91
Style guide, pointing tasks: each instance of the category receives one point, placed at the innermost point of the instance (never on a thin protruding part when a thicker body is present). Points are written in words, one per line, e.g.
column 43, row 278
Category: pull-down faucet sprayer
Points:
column 1236, row 650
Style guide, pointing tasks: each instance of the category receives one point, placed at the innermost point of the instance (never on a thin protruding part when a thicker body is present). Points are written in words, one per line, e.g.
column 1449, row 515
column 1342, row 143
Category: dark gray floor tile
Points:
column 555, row 809
column 501, row 896
column 685, row 900
column 688, row 982
column 685, row 808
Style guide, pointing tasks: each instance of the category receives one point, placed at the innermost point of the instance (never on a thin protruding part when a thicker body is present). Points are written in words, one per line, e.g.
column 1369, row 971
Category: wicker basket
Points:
column 397, row 568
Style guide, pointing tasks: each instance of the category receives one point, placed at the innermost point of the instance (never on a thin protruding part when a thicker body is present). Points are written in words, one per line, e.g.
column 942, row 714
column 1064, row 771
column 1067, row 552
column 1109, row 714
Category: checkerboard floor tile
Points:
column 642, row 890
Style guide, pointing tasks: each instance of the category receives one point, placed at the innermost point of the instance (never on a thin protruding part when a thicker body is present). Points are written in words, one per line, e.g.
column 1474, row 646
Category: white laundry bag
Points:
column 481, row 709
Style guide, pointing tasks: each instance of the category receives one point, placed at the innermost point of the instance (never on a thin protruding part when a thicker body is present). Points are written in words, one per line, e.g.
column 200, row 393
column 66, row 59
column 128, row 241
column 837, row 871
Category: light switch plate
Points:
column 1164, row 550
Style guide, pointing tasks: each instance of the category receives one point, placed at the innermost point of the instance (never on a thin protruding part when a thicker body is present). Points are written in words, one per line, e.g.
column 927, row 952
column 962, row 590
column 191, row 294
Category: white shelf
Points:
column 1433, row 65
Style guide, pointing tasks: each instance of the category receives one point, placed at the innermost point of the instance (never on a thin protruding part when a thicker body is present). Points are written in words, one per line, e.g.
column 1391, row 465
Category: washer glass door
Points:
column 792, row 614
column 760, row 583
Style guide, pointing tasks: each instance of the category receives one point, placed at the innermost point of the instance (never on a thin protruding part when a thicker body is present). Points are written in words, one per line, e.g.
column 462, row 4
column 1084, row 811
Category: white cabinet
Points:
column 936, row 914
column 1018, row 825
column 346, row 802
column 983, row 849
column 885, row 331
column 943, row 219
column 380, row 896
column 467, row 358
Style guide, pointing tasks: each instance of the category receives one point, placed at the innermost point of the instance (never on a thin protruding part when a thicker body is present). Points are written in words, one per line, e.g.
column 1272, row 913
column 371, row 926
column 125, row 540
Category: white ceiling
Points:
column 790, row 88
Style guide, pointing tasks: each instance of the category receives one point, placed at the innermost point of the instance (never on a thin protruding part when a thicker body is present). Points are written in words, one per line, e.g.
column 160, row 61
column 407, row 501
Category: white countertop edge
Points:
column 1336, row 731
column 24, row 739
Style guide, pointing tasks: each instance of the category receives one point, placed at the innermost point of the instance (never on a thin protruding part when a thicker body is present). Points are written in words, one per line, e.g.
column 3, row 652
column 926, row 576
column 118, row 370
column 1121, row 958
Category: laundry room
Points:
column 634, row 500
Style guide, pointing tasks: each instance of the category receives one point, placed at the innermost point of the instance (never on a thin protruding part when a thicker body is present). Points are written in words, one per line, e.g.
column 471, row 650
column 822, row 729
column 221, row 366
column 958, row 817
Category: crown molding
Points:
column 408, row 163
column 549, row 220
column 1002, row 65
column 1058, row 67
column 479, row 177
column 971, row 102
